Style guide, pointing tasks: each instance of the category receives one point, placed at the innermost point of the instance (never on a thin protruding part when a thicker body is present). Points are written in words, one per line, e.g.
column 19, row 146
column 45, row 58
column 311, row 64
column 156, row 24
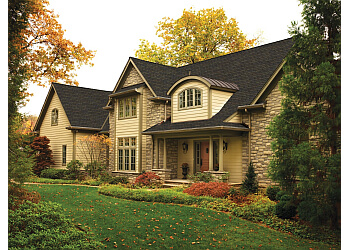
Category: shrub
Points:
column 43, row 154
column 280, row 194
column 119, row 179
column 95, row 168
column 272, row 191
column 285, row 209
column 18, row 196
column 166, row 195
column 147, row 179
column 201, row 177
column 213, row 189
column 53, row 173
column 250, row 183
column 74, row 167
column 44, row 226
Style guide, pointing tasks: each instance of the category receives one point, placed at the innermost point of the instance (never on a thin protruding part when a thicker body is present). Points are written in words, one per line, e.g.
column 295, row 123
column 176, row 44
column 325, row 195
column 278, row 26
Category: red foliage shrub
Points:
column 43, row 154
column 213, row 189
column 146, row 179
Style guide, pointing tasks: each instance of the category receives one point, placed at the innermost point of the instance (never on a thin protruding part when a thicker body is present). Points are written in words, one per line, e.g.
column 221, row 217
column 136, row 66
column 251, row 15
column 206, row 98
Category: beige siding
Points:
column 81, row 153
column 128, row 127
column 185, row 157
column 190, row 114
column 233, row 159
column 236, row 118
column 218, row 100
column 58, row 135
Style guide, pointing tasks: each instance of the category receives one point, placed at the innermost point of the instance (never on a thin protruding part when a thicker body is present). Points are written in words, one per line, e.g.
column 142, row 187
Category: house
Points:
column 68, row 114
column 211, row 115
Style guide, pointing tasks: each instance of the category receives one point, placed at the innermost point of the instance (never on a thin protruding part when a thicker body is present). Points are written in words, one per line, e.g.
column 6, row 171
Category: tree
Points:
column 50, row 56
column 250, row 183
column 43, row 154
column 306, row 134
column 19, row 164
column 94, row 148
column 194, row 37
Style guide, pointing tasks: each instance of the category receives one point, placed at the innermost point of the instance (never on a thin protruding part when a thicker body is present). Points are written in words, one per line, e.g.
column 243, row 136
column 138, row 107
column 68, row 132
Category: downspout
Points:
column 166, row 102
column 249, row 134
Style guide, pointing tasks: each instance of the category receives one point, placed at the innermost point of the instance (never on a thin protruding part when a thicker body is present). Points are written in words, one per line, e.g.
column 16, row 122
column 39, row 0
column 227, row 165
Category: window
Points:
column 190, row 98
column 54, row 117
column 127, row 153
column 127, row 107
column 64, row 155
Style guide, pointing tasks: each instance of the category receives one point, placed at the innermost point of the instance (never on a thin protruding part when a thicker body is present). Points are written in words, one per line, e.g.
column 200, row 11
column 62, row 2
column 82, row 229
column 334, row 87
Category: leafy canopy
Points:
column 194, row 37
column 306, row 134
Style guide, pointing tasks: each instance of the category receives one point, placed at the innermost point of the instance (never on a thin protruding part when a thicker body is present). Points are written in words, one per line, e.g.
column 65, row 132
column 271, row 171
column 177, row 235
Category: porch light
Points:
column 184, row 147
column 225, row 146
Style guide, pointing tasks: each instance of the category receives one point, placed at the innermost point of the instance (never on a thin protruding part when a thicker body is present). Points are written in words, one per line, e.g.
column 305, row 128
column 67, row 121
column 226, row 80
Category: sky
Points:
column 114, row 29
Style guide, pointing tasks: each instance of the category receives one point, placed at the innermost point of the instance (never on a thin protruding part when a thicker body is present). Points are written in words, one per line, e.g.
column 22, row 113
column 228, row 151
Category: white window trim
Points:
column 124, row 108
column 123, row 149
column 185, row 91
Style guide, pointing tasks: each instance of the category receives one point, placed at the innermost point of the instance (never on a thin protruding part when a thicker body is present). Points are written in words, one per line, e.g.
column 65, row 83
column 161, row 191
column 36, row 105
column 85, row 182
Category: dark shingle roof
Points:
column 83, row 106
column 249, row 69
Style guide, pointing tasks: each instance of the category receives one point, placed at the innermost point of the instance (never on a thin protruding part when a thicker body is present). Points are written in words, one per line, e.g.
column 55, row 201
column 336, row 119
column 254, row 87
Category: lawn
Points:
column 144, row 225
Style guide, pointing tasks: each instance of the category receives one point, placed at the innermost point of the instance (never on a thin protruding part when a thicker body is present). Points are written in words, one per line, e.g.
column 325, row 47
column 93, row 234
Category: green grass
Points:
column 147, row 225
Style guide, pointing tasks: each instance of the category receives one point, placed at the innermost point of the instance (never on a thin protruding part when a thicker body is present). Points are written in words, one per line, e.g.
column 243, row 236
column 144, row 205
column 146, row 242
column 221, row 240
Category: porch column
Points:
column 164, row 155
column 156, row 149
column 211, row 163
column 221, row 154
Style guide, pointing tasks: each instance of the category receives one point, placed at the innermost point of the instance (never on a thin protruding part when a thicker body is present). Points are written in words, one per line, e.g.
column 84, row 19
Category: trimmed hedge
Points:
column 53, row 173
column 161, row 195
column 44, row 226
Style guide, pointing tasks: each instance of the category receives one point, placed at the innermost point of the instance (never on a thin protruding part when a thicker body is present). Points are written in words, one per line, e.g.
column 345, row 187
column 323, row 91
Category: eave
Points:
column 202, row 129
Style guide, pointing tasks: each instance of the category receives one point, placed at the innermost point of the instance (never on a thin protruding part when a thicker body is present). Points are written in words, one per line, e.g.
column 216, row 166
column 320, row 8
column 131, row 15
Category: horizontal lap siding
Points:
column 58, row 135
column 81, row 153
column 218, row 100
column 233, row 158
column 190, row 114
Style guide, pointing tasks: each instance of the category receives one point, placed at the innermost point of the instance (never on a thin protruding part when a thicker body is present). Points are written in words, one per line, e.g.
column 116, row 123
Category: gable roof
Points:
column 83, row 106
column 251, row 70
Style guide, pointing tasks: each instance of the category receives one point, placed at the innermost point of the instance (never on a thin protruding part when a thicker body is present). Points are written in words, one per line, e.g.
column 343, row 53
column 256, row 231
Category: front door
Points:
column 202, row 156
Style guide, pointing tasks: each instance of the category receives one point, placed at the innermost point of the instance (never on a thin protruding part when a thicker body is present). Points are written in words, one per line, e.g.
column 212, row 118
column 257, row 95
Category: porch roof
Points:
column 201, row 125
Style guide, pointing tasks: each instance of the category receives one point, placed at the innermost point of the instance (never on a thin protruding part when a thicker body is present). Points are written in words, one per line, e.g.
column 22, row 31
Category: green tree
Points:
column 194, row 37
column 19, row 164
column 306, row 134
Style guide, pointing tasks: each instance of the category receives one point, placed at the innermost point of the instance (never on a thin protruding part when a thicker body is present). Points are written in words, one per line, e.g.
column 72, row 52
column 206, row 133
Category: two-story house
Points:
column 211, row 115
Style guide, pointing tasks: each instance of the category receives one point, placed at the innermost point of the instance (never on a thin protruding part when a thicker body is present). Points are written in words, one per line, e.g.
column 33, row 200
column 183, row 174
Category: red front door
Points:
column 204, row 156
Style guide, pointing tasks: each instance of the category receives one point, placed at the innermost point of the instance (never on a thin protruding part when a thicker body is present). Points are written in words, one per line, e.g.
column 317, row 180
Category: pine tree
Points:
column 250, row 183
column 306, row 134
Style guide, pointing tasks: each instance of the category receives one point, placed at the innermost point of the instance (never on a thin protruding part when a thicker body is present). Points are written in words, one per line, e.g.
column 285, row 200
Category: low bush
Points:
column 213, row 189
column 119, row 179
column 271, row 192
column 285, row 209
column 167, row 195
column 53, row 173
column 147, row 179
column 44, row 226
column 18, row 195
column 74, row 170
column 94, row 169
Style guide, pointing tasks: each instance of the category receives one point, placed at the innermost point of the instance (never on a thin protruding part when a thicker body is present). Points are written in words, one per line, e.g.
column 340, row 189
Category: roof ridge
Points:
column 66, row 85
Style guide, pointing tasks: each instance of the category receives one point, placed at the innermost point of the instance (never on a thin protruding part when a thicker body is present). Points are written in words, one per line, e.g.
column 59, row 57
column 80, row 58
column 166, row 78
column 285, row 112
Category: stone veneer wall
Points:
column 260, row 141
column 112, row 137
column 132, row 77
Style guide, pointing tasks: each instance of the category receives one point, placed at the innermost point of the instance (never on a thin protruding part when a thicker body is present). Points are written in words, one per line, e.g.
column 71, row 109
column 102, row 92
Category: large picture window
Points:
column 127, row 107
column 190, row 98
column 127, row 153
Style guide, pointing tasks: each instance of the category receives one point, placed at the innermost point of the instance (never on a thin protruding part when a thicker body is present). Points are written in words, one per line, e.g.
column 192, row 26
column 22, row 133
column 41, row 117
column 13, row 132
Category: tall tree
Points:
column 194, row 37
column 306, row 134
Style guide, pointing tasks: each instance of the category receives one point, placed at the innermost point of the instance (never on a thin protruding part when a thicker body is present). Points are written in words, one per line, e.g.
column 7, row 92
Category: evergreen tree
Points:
column 306, row 134
column 250, row 183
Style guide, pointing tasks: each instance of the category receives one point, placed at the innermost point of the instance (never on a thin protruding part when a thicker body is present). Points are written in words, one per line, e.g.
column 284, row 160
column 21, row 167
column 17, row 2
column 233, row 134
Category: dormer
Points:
column 198, row 98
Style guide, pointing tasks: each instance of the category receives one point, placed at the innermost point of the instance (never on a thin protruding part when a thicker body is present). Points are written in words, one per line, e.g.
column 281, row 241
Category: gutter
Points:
column 253, row 106
column 196, row 129
column 127, row 92
column 83, row 128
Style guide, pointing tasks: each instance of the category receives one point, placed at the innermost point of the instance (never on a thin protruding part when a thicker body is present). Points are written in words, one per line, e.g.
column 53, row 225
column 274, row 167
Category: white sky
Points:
column 114, row 29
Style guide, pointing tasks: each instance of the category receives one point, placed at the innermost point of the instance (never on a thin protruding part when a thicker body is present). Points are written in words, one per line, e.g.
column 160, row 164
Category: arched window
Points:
column 54, row 117
column 190, row 98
